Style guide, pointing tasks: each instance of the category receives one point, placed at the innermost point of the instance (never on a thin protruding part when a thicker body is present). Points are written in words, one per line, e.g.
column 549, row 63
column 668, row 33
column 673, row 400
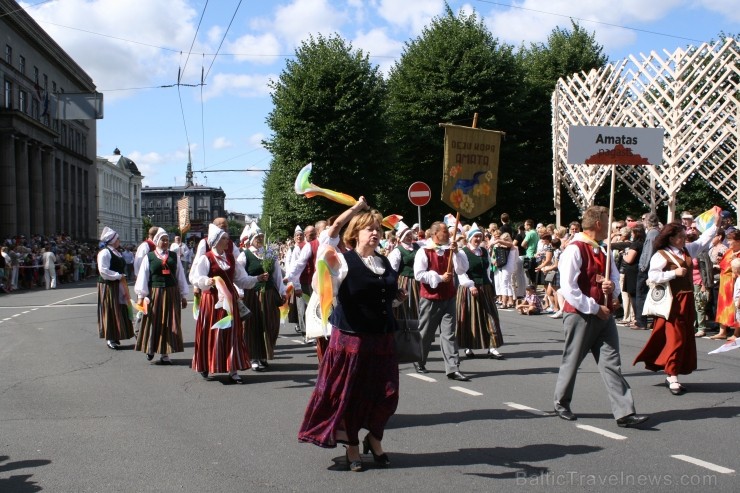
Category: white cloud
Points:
column 241, row 85
column 222, row 143
column 134, row 63
column 414, row 15
column 301, row 18
column 255, row 140
column 728, row 8
column 383, row 50
column 256, row 49
column 536, row 22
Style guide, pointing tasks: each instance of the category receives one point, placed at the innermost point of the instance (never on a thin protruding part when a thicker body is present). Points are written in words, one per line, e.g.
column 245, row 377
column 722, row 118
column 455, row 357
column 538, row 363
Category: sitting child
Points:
column 531, row 304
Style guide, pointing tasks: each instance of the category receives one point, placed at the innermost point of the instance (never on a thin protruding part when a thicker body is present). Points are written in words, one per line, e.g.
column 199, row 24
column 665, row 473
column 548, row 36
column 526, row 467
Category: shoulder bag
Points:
column 659, row 299
column 408, row 339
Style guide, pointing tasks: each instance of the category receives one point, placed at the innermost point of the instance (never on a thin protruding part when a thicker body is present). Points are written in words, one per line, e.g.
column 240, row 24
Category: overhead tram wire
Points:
column 646, row 31
column 223, row 39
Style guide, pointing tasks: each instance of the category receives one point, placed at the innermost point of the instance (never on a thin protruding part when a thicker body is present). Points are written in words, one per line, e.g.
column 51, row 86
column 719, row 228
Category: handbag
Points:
column 408, row 340
column 658, row 301
column 502, row 256
column 659, row 298
column 550, row 276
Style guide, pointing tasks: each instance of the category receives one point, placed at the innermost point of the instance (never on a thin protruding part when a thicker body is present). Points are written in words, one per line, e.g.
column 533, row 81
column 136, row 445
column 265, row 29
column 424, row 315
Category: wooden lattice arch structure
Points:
column 692, row 94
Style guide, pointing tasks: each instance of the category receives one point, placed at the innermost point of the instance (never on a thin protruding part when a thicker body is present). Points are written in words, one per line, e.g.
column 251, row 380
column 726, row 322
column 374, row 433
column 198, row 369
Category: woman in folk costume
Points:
column 357, row 384
column 725, row 303
column 264, row 300
column 219, row 347
column 114, row 323
column 402, row 261
column 478, row 325
column 672, row 345
column 299, row 240
column 161, row 277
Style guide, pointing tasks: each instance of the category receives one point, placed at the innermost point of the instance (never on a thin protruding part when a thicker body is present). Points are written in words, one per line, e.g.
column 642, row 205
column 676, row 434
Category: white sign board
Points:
column 615, row 145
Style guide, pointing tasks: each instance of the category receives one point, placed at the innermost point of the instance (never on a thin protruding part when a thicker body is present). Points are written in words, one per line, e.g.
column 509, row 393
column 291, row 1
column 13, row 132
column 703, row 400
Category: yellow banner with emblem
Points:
column 470, row 176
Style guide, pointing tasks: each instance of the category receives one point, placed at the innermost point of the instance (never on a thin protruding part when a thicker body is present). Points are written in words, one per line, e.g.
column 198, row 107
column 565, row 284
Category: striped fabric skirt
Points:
column 263, row 326
column 411, row 286
column 478, row 325
column 218, row 350
column 113, row 321
column 161, row 331
column 357, row 387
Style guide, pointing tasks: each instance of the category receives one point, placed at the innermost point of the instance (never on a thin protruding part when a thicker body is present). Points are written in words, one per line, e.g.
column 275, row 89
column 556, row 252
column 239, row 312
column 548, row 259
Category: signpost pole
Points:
column 418, row 208
column 611, row 219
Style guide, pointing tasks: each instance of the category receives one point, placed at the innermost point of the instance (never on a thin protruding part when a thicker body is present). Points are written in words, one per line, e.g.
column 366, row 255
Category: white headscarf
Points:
column 108, row 235
column 160, row 233
column 254, row 230
column 214, row 234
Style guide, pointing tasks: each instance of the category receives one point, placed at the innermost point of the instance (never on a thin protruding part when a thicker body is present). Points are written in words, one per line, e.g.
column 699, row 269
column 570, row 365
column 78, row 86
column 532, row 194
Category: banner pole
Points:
column 611, row 219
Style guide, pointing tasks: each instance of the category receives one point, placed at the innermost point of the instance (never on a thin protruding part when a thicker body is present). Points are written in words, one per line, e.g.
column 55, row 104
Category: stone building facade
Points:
column 47, row 165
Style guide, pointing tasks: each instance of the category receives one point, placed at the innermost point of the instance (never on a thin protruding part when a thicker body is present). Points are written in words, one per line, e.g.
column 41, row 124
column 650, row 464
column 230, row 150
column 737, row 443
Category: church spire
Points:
column 189, row 173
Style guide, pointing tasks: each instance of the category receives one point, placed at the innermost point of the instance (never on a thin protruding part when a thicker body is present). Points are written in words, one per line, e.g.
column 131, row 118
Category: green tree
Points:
column 453, row 70
column 327, row 109
column 566, row 52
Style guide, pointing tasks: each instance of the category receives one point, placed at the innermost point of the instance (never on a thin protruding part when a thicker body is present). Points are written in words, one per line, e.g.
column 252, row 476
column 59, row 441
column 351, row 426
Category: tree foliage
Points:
column 328, row 108
column 453, row 70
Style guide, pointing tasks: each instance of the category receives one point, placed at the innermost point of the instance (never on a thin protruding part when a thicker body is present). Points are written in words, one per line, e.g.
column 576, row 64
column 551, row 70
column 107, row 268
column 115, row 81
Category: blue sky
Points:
column 131, row 48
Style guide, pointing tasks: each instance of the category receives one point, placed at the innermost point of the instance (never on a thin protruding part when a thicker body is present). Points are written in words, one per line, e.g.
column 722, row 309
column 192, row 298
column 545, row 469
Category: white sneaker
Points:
column 557, row 314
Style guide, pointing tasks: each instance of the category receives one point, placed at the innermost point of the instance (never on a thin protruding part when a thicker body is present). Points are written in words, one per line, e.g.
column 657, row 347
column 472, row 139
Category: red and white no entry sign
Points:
column 419, row 193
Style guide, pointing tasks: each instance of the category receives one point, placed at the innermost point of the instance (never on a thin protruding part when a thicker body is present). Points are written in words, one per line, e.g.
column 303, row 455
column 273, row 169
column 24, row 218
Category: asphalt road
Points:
column 77, row 416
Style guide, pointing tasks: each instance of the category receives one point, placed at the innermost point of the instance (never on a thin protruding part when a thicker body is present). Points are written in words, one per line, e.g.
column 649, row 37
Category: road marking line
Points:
column 599, row 431
column 6, row 319
column 522, row 407
column 297, row 341
column 16, row 315
column 466, row 391
column 702, row 463
column 72, row 298
column 421, row 377
column 23, row 313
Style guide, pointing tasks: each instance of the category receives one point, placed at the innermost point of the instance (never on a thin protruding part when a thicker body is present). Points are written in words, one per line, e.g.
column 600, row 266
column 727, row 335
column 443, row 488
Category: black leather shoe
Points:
column 631, row 421
column 150, row 357
column 204, row 374
column 420, row 368
column 382, row 460
column 460, row 377
column 498, row 356
column 469, row 354
column 111, row 344
column 566, row 415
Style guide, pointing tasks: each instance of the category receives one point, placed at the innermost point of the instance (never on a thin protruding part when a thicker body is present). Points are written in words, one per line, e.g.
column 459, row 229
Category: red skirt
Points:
column 357, row 387
column 672, row 345
column 218, row 350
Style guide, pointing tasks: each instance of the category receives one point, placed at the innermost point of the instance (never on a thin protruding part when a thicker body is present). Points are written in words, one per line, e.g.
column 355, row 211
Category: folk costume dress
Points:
column 402, row 261
column 161, row 277
column 114, row 323
column 218, row 350
column 725, row 303
column 672, row 345
column 263, row 326
column 478, row 324
column 357, row 385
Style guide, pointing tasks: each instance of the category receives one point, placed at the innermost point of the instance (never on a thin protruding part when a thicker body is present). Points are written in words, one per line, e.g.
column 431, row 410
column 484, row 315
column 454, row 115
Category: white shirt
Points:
column 201, row 269
column 658, row 262
column 49, row 260
column 277, row 272
column 104, row 257
column 432, row 278
column 141, row 252
column 296, row 268
column 569, row 266
column 142, row 278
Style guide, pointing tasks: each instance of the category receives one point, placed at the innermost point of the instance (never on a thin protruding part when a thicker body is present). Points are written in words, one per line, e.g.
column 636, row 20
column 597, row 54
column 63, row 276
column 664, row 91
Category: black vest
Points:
column 365, row 298
column 157, row 278
column 117, row 264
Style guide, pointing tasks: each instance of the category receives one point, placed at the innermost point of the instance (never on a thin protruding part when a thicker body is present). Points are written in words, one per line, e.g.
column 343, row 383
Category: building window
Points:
column 8, row 95
column 53, row 87
column 35, row 109
column 46, row 82
column 9, row 54
column 22, row 64
column 36, row 77
column 23, row 101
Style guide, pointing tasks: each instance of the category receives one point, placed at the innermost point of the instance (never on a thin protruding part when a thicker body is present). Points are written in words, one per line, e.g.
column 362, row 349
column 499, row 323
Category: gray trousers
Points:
column 442, row 314
column 584, row 334
column 301, row 305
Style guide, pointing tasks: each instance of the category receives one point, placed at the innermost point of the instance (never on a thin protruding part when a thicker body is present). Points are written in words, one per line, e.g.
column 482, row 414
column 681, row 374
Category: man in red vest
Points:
column 301, row 271
column 438, row 297
column 588, row 320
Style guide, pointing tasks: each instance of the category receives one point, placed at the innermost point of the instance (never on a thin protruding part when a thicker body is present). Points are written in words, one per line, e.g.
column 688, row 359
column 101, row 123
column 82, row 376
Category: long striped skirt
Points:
column 357, row 387
column 161, row 331
column 262, row 328
column 218, row 350
column 411, row 286
column 478, row 325
column 114, row 323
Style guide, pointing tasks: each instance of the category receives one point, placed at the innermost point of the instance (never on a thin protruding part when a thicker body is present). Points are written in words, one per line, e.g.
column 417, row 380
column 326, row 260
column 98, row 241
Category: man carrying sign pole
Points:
column 589, row 284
